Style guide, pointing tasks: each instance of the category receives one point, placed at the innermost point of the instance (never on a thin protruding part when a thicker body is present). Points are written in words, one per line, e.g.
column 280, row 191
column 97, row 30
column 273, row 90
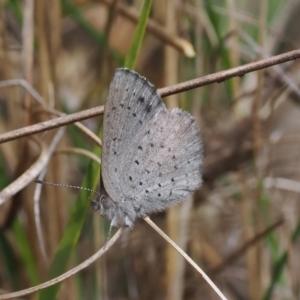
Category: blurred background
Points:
column 242, row 227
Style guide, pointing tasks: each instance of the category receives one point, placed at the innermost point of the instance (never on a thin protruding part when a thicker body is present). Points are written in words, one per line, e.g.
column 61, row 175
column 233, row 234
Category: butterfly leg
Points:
column 113, row 223
column 128, row 222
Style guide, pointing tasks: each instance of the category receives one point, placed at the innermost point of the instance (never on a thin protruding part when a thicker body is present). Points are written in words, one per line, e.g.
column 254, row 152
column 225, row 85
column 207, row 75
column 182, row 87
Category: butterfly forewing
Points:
column 131, row 102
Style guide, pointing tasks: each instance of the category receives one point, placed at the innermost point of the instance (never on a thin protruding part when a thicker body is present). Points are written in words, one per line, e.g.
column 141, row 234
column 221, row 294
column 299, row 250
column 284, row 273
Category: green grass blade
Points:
column 9, row 260
column 4, row 178
column 73, row 230
column 77, row 16
column 95, row 34
column 139, row 33
column 16, row 8
column 25, row 252
column 280, row 264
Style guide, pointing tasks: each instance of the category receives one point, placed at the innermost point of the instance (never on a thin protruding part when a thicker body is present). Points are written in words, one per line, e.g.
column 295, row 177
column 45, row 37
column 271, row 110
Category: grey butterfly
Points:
column 151, row 156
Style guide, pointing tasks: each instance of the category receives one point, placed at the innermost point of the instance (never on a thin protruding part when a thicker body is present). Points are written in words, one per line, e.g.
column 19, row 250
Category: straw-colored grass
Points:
column 242, row 227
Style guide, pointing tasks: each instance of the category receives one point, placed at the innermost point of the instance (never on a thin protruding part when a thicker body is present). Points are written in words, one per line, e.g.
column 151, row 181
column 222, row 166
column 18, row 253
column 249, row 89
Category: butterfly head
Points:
column 119, row 213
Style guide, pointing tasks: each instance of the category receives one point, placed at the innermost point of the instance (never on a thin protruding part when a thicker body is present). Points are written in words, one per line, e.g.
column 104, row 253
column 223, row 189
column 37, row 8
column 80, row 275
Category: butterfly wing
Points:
column 164, row 164
column 131, row 102
column 151, row 157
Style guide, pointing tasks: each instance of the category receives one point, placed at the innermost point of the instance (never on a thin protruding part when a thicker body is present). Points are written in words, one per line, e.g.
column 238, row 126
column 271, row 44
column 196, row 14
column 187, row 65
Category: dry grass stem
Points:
column 236, row 254
column 178, row 43
column 219, row 77
column 68, row 274
column 51, row 124
column 72, row 150
column 177, row 88
column 90, row 134
column 37, row 217
column 28, row 176
column 186, row 257
column 24, row 84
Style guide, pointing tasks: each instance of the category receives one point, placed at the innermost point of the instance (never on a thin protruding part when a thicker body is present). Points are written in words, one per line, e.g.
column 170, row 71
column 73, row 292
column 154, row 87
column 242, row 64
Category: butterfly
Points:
column 151, row 156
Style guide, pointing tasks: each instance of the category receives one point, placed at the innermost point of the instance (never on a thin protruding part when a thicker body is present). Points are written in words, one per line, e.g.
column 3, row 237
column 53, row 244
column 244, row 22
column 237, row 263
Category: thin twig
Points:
column 24, row 84
column 224, row 75
column 243, row 248
column 282, row 183
column 159, row 31
column 26, row 177
column 181, row 87
column 32, row 171
column 88, row 132
column 37, row 217
column 278, row 69
column 187, row 258
column 73, row 271
column 37, row 193
column 80, row 151
column 51, row 124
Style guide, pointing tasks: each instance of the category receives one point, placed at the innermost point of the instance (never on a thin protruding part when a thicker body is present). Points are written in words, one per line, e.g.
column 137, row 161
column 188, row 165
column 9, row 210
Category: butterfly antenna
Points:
column 65, row 185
